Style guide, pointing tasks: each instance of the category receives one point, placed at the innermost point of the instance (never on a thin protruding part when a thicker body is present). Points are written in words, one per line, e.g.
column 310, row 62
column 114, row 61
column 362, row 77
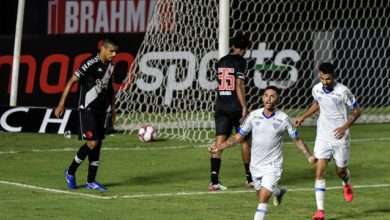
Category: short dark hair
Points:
column 109, row 40
column 276, row 89
column 326, row 68
column 241, row 41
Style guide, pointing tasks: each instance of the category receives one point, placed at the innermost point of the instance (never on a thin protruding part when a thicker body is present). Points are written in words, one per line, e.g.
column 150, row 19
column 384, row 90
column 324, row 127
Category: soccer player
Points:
column 95, row 81
column 267, row 125
column 332, row 100
column 230, row 108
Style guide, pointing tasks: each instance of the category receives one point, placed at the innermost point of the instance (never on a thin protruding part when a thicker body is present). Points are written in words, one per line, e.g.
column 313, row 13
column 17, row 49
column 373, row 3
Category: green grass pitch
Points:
column 168, row 179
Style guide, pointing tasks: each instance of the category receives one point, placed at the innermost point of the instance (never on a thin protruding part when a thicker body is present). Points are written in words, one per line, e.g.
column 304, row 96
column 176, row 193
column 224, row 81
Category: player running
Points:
column 332, row 99
column 267, row 125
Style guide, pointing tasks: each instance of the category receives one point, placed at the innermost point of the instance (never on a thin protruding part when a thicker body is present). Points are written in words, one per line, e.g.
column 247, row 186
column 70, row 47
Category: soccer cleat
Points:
column 348, row 193
column 320, row 215
column 250, row 185
column 216, row 187
column 70, row 180
column 95, row 185
column 278, row 198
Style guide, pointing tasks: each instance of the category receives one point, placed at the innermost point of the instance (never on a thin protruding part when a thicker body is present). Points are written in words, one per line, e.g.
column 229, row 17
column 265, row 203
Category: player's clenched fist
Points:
column 213, row 149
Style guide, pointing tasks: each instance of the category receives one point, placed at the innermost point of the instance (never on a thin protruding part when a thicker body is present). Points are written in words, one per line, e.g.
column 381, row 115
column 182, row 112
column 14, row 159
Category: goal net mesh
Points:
column 171, row 84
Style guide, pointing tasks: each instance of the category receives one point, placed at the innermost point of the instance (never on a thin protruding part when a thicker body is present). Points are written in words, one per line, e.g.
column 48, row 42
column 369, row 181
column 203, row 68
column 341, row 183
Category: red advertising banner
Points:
column 47, row 62
column 106, row 16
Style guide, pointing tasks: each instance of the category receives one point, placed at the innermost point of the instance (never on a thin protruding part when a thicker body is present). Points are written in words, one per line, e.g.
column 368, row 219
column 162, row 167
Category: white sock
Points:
column 320, row 193
column 261, row 211
column 345, row 181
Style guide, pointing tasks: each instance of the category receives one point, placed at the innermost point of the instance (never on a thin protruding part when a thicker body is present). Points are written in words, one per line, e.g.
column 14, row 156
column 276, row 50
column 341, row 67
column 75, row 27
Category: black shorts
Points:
column 225, row 121
column 92, row 125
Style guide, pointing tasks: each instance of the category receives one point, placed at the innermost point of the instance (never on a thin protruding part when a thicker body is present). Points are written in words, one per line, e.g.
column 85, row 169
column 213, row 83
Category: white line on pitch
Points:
column 137, row 148
column 55, row 190
column 239, row 191
column 168, row 194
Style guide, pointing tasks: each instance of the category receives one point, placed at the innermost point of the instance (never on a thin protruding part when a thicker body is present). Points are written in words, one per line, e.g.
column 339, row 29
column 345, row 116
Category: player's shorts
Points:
column 225, row 121
column 268, row 177
column 339, row 152
column 92, row 125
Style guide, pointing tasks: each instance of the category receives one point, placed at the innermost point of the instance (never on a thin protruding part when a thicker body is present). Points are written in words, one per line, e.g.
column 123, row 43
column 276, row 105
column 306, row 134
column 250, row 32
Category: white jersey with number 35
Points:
column 333, row 111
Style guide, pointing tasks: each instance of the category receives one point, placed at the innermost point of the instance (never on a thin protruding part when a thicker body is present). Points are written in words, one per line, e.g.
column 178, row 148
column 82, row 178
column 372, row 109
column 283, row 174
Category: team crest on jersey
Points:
column 276, row 125
column 336, row 100
column 257, row 123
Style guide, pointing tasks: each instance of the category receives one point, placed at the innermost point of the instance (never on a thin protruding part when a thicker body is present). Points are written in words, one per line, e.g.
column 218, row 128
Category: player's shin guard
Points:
column 261, row 211
column 81, row 155
column 215, row 166
column 320, row 193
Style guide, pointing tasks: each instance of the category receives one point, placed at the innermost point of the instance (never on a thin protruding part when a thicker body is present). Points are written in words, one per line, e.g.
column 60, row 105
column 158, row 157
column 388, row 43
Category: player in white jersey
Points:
column 334, row 102
column 267, row 125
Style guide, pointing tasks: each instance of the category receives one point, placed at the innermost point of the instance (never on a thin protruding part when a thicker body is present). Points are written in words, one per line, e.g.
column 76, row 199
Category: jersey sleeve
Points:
column 291, row 129
column 314, row 95
column 349, row 99
column 246, row 127
column 82, row 70
column 241, row 69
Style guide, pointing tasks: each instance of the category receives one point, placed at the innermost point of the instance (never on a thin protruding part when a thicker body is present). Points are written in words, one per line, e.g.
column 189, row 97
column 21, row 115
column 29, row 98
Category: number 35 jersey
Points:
column 230, row 68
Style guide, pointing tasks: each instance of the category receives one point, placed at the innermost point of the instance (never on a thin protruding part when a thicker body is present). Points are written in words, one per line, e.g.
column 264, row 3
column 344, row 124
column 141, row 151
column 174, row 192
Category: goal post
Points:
column 171, row 84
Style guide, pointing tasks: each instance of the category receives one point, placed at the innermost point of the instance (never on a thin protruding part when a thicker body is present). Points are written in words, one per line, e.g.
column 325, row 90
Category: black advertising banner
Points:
column 47, row 62
column 37, row 120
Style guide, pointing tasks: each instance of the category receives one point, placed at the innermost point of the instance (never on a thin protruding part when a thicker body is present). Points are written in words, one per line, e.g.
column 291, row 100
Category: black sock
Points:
column 92, row 170
column 248, row 173
column 81, row 155
column 93, row 157
column 215, row 165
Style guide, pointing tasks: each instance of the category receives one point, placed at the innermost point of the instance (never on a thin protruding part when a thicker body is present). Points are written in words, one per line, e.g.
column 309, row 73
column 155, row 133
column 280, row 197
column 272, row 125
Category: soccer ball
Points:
column 147, row 133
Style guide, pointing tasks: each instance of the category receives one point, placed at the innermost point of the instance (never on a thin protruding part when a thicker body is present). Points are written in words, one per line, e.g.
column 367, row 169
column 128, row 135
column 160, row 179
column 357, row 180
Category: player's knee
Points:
column 92, row 144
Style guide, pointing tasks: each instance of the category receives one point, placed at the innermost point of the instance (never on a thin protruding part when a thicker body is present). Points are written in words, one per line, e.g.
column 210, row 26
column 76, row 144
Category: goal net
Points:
column 171, row 84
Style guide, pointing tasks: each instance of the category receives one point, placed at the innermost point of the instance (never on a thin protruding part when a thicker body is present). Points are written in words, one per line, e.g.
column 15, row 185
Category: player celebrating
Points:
column 230, row 108
column 267, row 125
column 95, row 77
column 332, row 140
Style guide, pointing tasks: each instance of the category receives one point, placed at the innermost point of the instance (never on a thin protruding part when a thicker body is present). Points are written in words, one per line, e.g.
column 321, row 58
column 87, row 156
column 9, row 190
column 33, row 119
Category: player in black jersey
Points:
column 231, row 108
column 95, row 78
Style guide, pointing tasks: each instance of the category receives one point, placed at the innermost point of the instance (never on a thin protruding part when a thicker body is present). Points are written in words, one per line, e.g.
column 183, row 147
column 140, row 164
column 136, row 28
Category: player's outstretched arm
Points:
column 237, row 138
column 60, row 108
column 305, row 150
column 313, row 108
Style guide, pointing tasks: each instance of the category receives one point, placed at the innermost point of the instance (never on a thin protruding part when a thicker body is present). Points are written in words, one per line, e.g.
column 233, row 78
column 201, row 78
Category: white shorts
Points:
column 339, row 152
column 268, row 177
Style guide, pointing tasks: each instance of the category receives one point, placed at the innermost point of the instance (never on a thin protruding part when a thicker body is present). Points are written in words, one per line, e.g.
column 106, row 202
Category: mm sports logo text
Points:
column 165, row 67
